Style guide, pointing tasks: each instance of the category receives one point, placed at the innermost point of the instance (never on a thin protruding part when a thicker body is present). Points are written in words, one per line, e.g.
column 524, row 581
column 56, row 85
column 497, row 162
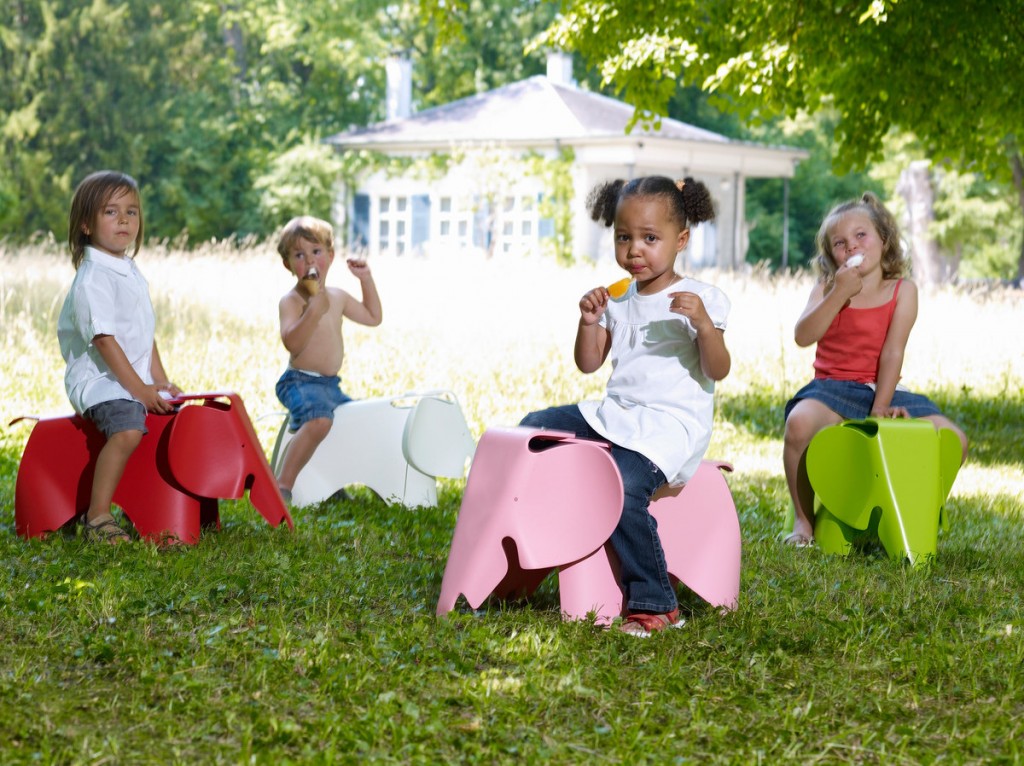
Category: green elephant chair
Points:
column 882, row 478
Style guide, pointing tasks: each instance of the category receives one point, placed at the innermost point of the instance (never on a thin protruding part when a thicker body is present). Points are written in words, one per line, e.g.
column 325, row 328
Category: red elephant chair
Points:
column 202, row 452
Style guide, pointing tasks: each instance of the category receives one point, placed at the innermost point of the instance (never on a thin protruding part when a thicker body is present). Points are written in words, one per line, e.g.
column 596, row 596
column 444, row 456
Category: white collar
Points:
column 122, row 266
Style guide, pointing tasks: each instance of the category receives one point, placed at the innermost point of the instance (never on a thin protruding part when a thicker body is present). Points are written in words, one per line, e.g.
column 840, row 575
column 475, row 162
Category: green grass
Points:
column 321, row 645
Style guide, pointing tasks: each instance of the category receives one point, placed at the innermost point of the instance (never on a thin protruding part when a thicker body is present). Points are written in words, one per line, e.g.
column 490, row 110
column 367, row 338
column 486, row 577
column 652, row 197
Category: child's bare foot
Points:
column 104, row 529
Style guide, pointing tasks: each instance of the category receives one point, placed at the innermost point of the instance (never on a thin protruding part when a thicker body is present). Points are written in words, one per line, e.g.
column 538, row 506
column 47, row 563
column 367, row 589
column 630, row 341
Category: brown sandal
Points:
column 642, row 625
column 106, row 531
column 798, row 540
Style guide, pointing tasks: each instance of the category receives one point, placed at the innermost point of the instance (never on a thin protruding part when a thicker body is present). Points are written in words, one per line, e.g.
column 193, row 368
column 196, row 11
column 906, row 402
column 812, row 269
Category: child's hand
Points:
column 593, row 305
column 691, row 306
column 889, row 412
column 848, row 281
column 153, row 402
column 320, row 303
column 359, row 268
column 169, row 388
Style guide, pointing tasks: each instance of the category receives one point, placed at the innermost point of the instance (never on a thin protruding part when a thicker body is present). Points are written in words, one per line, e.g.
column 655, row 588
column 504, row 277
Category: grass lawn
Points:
column 321, row 646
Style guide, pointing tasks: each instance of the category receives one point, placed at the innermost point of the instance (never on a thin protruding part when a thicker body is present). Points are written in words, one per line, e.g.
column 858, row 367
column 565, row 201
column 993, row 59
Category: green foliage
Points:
column 558, row 181
column 943, row 70
column 469, row 46
column 300, row 181
column 813, row 190
column 781, row 59
column 206, row 103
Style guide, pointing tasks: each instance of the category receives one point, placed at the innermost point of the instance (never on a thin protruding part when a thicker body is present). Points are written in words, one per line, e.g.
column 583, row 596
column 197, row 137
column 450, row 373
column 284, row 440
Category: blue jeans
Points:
column 644, row 574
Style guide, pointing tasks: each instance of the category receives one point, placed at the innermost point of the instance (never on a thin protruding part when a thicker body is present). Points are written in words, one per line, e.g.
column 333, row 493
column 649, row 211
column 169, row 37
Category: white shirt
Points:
column 658, row 401
column 108, row 296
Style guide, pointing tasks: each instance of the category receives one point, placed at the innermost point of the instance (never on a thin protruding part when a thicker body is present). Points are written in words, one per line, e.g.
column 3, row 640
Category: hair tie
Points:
column 680, row 184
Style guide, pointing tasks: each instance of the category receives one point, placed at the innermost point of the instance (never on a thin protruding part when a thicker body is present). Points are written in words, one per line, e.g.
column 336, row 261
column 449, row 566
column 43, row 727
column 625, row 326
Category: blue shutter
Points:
column 420, row 222
column 361, row 222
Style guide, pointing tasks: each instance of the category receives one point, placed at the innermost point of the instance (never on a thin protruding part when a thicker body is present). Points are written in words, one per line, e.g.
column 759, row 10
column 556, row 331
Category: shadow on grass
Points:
column 994, row 425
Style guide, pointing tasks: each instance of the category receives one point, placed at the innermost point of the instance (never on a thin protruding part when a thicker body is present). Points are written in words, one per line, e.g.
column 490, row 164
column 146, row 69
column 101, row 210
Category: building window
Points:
column 394, row 225
column 517, row 226
column 454, row 224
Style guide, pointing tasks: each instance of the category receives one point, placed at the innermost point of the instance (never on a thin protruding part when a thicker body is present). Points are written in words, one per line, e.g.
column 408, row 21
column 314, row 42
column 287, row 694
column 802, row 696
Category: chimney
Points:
column 399, row 91
column 560, row 68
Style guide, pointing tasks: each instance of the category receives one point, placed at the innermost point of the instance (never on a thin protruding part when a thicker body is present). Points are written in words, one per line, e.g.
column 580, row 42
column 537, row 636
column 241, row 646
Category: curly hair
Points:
column 688, row 200
column 894, row 263
column 91, row 195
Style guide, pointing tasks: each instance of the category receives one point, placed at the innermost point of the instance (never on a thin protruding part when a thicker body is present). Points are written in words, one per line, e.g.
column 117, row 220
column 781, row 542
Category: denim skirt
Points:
column 852, row 401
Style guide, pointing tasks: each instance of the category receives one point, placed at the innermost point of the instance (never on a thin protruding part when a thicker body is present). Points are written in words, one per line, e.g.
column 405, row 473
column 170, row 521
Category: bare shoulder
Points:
column 338, row 296
column 908, row 288
column 817, row 290
column 290, row 298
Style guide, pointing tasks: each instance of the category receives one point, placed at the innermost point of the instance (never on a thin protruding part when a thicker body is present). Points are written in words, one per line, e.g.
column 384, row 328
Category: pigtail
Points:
column 697, row 202
column 689, row 199
column 603, row 199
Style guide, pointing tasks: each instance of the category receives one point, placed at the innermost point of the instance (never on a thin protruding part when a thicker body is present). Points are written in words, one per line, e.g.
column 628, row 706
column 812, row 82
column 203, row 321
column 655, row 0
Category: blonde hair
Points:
column 893, row 262
column 304, row 227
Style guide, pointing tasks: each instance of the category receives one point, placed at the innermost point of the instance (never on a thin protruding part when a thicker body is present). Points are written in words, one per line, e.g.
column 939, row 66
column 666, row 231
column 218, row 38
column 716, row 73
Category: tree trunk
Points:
column 915, row 186
column 1017, row 163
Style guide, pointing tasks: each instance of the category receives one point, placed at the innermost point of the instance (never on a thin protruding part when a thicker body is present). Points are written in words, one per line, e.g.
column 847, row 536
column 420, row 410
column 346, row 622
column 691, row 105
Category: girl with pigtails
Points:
column 666, row 340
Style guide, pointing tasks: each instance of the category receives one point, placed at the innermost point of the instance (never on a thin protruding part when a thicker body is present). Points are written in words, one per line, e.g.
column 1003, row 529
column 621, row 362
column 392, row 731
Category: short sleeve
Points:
column 715, row 303
column 94, row 307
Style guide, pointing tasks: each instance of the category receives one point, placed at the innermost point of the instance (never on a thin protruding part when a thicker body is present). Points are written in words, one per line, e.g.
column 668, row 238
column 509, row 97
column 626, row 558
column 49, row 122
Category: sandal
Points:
column 798, row 540
column 105, row 531
column 642, row 625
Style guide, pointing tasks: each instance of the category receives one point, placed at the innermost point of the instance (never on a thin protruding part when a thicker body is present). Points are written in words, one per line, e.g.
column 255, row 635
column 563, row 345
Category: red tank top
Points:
column 850, row 348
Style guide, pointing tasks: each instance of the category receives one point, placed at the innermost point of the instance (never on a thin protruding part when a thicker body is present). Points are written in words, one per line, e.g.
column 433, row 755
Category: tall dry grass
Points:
column 498, row 333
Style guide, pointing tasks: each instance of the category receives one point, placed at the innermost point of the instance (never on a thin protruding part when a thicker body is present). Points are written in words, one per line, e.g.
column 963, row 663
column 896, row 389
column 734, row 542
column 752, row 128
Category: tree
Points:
column 946, row 70
column 464, row 47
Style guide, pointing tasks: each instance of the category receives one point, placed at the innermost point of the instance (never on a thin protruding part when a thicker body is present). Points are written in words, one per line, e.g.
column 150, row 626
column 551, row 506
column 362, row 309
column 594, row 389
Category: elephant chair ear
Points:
column 839, row 464
column 205, row 452
column 436, row 440
column 213, row 452
column 534, row 500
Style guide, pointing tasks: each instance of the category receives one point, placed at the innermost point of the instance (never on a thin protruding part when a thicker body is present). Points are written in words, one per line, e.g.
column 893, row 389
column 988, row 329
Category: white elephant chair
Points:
column 539, row 500
column 396, row 446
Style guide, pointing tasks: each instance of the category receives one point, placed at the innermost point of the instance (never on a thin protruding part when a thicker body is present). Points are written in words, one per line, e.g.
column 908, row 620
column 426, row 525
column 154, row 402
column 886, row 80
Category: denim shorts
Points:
column 852, row 401
column 309, row 396
column 117, row 415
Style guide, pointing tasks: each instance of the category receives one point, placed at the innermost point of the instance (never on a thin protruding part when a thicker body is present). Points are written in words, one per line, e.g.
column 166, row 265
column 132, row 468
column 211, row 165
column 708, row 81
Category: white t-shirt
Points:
column 658, row 402
column 108, row 296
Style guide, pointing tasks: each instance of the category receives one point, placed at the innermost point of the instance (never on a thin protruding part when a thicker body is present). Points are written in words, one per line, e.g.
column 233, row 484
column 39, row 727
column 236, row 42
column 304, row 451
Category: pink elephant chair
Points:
column 170, row 489
column 538, row 500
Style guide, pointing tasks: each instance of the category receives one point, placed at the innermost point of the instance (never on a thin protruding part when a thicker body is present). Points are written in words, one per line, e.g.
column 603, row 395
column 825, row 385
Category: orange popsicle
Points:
column 619, row 289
